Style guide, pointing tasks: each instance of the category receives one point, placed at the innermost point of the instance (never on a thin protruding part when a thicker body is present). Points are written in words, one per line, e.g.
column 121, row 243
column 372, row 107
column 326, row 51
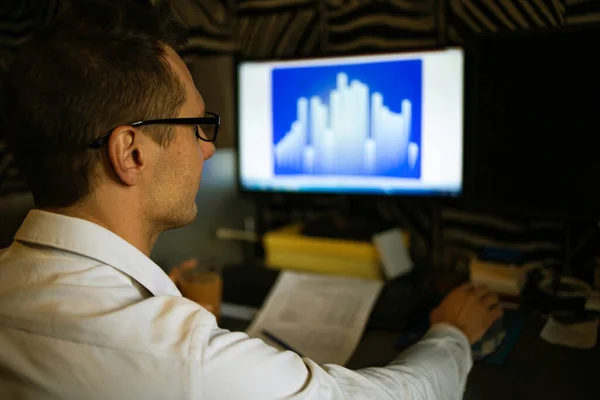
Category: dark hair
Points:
column 101, row 64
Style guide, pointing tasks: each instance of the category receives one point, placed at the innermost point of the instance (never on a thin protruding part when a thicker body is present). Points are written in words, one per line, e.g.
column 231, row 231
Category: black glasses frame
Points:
column 209, row 119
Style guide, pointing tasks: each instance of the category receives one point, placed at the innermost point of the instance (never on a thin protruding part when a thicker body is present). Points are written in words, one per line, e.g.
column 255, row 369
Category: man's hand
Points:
column 471, row 309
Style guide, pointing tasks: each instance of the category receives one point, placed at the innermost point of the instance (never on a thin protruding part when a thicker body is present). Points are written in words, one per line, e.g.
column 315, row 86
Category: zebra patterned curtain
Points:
column 224, row 29
column 18, row 19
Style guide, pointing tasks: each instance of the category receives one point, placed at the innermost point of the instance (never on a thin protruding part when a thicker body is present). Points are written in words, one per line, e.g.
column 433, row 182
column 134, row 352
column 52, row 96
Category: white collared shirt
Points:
column 85, row 315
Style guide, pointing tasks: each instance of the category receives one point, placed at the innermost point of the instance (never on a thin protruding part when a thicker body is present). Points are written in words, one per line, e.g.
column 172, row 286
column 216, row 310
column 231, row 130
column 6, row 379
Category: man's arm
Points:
column 238, row 367
column 435, row 368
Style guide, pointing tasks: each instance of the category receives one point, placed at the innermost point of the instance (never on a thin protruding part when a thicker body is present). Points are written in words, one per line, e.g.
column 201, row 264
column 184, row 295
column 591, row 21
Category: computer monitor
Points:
column 532, row 140
column 387, row 124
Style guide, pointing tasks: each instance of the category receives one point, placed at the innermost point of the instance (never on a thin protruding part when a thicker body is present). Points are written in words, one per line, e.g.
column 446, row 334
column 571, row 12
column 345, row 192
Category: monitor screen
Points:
column 532, row 138
column 374, row 125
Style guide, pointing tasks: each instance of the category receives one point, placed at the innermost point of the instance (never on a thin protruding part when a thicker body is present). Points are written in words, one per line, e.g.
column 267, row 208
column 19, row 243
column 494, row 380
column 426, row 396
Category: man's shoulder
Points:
column 150, row 348
column 164, row 327
column 161, row 325
column 89, row 303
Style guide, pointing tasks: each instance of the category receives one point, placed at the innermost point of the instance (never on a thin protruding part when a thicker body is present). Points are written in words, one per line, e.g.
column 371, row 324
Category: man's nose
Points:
column 208, row 150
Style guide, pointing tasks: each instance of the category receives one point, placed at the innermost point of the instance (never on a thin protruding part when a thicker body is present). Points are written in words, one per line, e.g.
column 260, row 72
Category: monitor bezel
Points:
column 265, row 194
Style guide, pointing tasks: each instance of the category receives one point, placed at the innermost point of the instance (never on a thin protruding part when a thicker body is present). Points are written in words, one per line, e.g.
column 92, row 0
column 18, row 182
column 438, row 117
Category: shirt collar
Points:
column 93, row 241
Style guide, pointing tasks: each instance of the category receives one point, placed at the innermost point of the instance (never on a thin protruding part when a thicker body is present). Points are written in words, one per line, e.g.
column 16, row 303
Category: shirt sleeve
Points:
column 239, row 367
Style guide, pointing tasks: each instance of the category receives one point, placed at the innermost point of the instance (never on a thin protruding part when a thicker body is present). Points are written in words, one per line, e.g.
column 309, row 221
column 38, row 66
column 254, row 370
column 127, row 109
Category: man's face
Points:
column 178, row 167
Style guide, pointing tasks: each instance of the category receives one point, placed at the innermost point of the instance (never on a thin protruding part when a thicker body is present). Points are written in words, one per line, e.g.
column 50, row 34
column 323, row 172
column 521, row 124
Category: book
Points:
column 504, row 279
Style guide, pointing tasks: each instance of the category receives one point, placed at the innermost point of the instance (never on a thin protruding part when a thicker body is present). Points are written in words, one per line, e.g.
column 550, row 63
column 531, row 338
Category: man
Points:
column 105, row 121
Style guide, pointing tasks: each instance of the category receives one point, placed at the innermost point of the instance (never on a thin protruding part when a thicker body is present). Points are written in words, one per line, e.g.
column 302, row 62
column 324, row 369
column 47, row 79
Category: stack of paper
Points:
column 321, row 317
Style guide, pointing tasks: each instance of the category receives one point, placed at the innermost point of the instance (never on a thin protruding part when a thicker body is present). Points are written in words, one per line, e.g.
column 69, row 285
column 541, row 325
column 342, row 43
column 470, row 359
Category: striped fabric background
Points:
column 18, row 19
column 224, row 29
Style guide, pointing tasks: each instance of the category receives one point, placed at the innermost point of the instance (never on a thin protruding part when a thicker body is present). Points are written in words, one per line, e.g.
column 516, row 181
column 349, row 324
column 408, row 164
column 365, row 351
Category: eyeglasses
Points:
column 206, row 128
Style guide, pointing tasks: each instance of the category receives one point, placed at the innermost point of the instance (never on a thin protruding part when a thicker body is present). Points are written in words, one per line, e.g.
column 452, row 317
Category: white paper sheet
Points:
column 393, row 252
column 581, row 335
column 321, row 317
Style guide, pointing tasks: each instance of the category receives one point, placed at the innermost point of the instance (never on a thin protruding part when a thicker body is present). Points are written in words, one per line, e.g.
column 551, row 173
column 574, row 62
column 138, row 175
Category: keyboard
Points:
column 401, row 304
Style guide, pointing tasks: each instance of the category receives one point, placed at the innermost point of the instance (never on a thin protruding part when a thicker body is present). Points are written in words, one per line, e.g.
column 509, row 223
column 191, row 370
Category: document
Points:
column 393, row 252
column 321, row 317
column 576, row 332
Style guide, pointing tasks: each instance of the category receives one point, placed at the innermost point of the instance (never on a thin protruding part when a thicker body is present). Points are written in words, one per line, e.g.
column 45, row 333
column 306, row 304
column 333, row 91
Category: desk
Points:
column 534, row 369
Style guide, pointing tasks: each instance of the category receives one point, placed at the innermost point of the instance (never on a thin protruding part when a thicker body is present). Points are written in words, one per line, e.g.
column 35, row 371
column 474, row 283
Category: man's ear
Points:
column 127, row 154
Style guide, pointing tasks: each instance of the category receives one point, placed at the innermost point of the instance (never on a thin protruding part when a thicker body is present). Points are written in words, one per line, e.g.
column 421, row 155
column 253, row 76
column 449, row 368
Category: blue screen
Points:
column 352, row 121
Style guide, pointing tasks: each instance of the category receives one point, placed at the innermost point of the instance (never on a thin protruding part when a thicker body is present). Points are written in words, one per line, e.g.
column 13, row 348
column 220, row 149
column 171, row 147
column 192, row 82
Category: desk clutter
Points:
column 317, row 295
column 571, row 302
column 385, row 258
column 288, row 248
